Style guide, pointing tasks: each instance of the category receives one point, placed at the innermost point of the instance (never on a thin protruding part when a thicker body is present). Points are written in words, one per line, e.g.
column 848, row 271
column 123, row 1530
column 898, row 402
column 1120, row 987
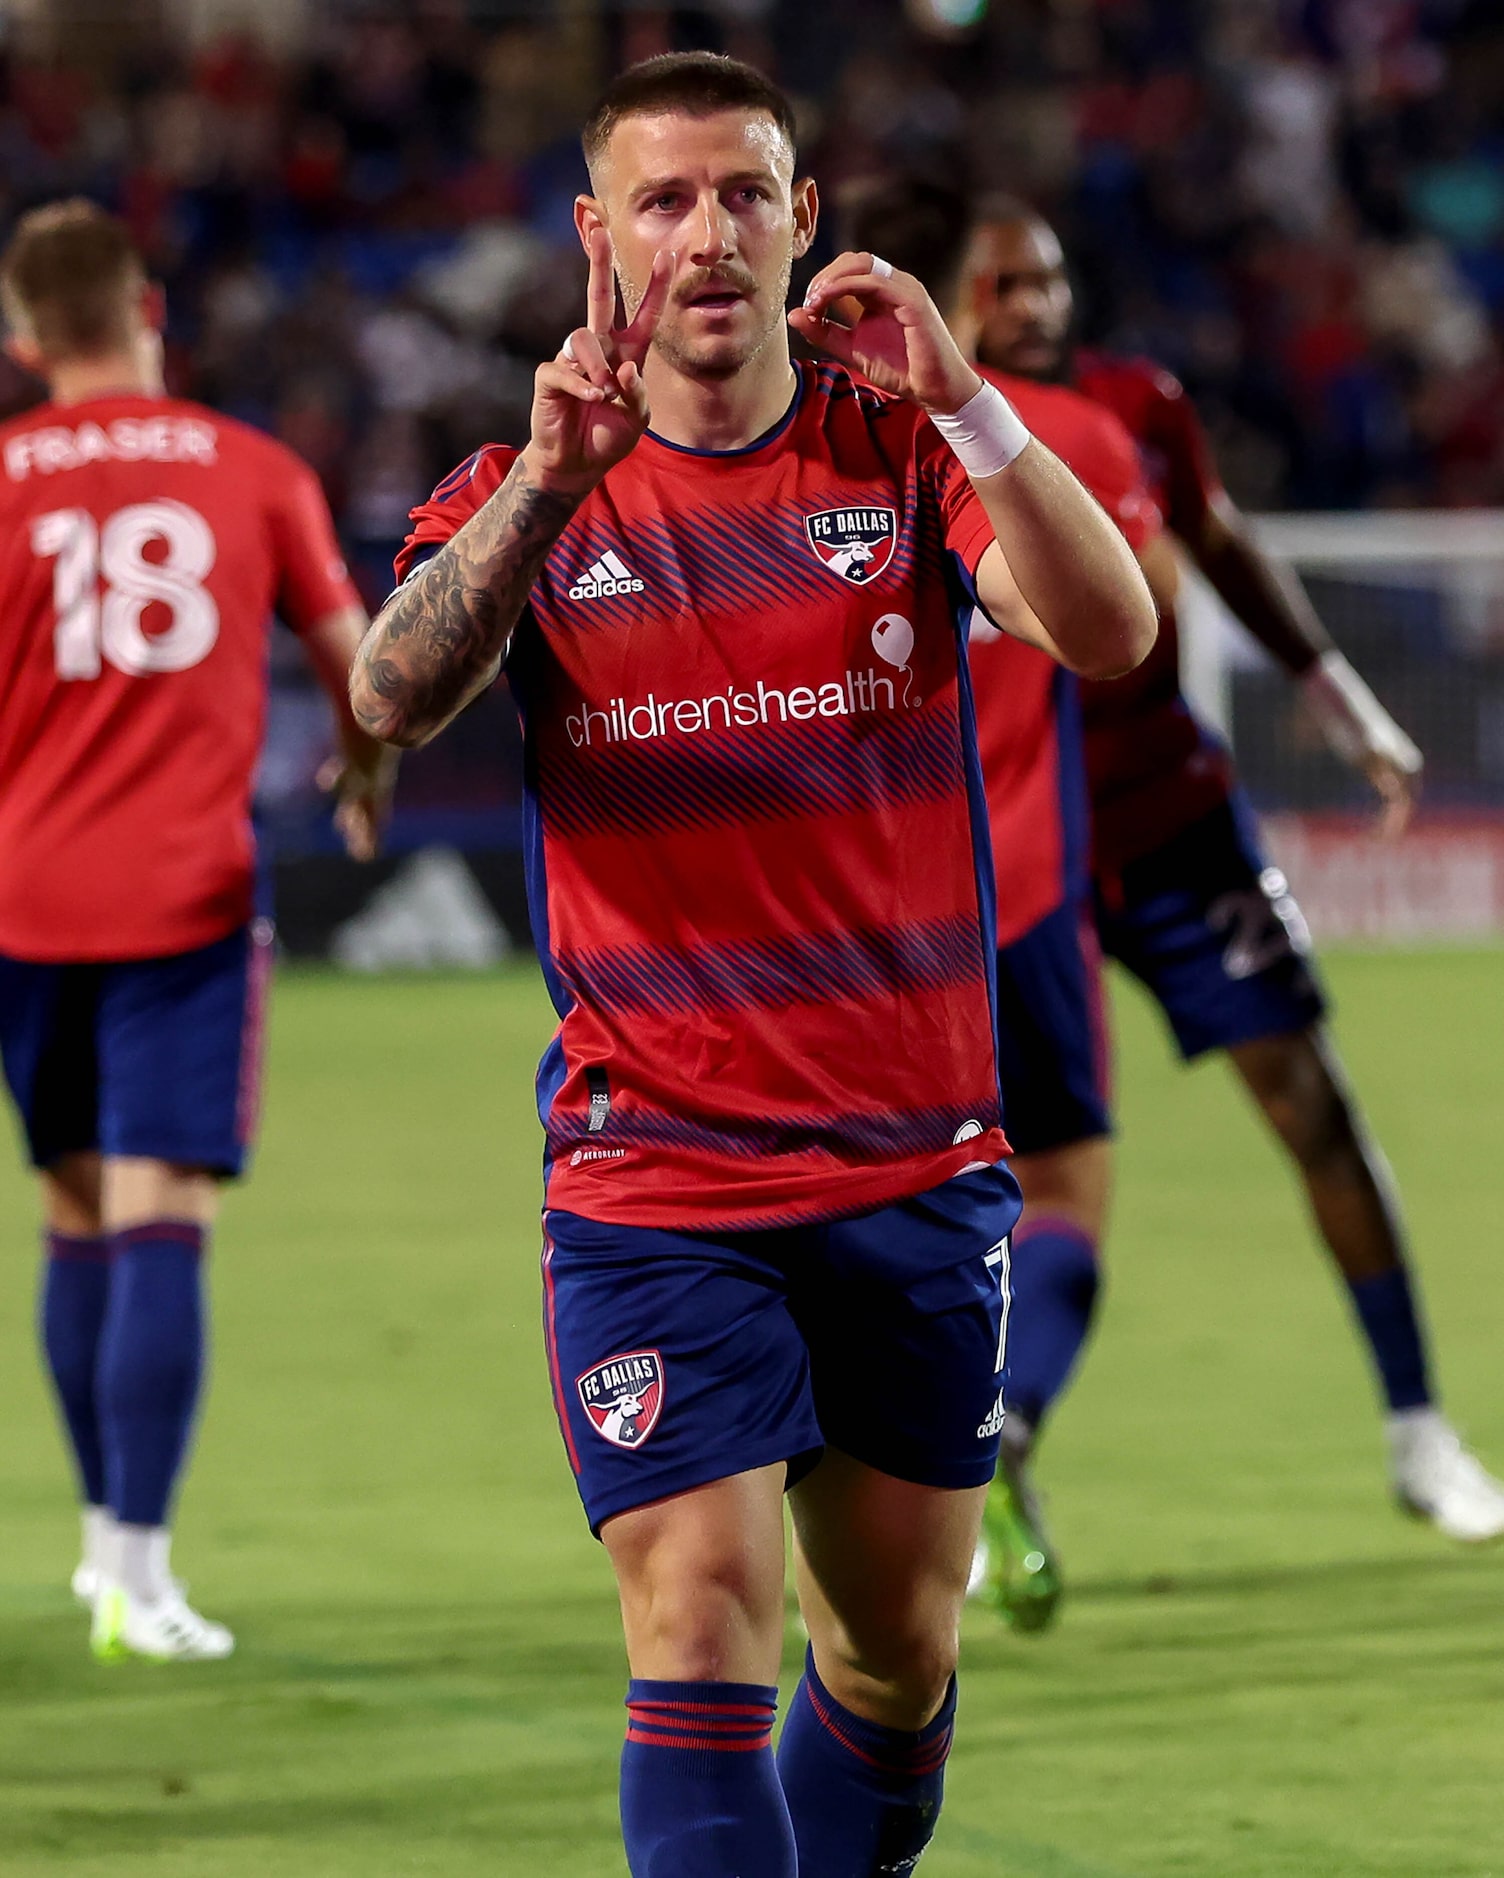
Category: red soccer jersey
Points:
column 1028, row 711
column 143, row 545
column 758, row 861
column 1153, row 769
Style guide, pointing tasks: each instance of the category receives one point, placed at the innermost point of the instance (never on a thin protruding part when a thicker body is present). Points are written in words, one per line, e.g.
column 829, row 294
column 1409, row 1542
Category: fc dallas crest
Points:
column 857, row 543
column 624, row 1397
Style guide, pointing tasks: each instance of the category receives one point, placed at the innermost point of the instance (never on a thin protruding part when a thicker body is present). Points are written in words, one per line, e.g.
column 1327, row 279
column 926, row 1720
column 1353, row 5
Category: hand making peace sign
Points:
column 589, row 402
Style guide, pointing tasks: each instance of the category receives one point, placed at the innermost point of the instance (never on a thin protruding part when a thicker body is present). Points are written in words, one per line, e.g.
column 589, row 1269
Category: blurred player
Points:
column 143, row 544
column 776, row 1236
column 1187, row 901
column 1051, row 1030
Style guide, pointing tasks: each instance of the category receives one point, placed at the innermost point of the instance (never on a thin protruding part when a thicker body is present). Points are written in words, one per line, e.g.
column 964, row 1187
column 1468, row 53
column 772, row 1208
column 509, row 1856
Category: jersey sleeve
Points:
column 451, row 505
column 1192, row 484
column 1120, row 484
column 312, row 579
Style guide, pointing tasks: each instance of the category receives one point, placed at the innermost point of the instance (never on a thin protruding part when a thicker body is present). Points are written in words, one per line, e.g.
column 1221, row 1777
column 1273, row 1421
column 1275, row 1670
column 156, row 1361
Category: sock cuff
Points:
column 187, row 1233
column 92, row 1248
column 718, row 1717
column 1381, row 1285
column 1054, row 1226
column 890, row 1750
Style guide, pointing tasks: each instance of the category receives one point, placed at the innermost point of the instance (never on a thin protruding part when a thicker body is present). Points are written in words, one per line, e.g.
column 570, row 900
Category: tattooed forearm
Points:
column 441, row 638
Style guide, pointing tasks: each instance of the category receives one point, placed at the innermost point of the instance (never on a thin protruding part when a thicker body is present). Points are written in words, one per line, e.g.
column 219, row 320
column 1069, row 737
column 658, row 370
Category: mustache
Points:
column 710, row 279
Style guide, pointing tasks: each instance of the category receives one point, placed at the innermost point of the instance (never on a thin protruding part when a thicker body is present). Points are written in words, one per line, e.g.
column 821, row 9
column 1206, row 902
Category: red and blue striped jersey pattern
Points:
column 1153, row 769
column 759, row 870
column 1028, row 707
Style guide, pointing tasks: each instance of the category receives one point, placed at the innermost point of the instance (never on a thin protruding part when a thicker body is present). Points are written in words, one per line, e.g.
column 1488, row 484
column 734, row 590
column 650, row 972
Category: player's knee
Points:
column 1070, row 1183
column 1322, row 1127
column 696, row 1620
column 71, row 1194
column 1307, row 1104
column 903, row 1672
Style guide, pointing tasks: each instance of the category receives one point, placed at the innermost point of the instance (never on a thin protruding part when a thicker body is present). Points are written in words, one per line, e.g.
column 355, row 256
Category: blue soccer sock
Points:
column 699, row 1789
column 1391, row 1322
column 864, row 1799
column 1055, row 1279
column 75, row 1291
column 151, row 1361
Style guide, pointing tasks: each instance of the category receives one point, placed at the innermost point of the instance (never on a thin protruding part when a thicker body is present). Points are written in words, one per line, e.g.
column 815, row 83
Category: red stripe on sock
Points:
column 648, row 1705
column 829, row 1723
column 718, row 1744
column 926, row 1757
column 933, row 1762
column 690, row 1728
column 727, row 1727
column 175, row 1231
column 1052, row 1223
column 93, row 1249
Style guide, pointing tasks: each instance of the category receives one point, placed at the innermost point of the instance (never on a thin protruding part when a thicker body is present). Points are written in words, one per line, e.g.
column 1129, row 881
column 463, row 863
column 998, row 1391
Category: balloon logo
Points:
column 893, row 642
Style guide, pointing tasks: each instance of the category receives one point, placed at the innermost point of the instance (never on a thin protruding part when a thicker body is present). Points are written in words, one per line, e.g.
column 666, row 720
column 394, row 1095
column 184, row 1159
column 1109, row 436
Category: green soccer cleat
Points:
column 107, row 1631
column 1022, row 1579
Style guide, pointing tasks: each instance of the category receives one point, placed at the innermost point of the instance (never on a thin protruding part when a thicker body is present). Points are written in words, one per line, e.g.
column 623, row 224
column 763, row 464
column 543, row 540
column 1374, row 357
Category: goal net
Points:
column 1416, row 601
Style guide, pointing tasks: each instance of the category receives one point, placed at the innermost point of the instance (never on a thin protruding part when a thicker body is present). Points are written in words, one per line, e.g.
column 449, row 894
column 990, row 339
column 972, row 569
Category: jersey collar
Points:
column 770, row 435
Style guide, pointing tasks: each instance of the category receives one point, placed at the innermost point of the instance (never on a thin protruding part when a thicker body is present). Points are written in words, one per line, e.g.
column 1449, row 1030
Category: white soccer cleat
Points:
column 1436, row 1478
column 166, row 1629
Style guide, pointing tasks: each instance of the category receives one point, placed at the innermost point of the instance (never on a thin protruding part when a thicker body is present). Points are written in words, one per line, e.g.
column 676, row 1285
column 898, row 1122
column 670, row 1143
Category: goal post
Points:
column 1416, row 601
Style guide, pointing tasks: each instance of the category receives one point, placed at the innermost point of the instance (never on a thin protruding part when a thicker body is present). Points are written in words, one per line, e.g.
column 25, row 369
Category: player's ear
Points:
column 589, row 215
column 806, row 214
column 154, row 305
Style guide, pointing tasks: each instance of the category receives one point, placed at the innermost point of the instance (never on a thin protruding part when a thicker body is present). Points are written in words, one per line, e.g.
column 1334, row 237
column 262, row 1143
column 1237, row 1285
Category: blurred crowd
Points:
column 367, row 244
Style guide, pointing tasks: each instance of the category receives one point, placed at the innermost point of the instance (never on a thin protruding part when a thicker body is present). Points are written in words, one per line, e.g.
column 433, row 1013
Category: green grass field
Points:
column 1261, row 1670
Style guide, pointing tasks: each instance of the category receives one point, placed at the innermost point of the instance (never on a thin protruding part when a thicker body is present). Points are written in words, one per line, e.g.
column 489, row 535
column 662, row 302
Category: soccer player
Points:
column 730, row 597
column 1186, row 900
column 1051, row 1033
column 143, row 544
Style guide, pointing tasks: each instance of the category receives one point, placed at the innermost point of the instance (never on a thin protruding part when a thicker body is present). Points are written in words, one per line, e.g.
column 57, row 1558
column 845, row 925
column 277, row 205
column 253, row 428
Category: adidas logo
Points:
column 610, row 574
column 994, row 1422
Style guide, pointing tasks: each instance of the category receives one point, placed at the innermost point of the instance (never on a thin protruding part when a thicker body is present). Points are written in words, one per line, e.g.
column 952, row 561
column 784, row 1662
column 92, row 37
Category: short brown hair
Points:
column 696, row 83
column 68, row 274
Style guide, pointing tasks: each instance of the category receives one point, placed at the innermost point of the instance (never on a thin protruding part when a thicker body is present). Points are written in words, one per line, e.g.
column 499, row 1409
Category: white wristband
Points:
column 1352, row 720
column 987, row 434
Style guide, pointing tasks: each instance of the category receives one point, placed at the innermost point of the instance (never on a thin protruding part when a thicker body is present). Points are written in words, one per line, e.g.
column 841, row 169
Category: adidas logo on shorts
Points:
column 994, row 1422
column 609, row 575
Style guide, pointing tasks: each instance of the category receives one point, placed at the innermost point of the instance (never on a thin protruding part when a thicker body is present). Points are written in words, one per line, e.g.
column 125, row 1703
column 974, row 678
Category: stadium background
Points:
column 361, row 215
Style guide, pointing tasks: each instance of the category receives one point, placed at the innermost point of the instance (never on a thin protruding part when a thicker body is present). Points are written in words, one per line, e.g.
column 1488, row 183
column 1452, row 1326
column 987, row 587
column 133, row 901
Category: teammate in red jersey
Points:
column 1051, row 1032
column 144, row 542
column 776, row 1235
column 1186, row 899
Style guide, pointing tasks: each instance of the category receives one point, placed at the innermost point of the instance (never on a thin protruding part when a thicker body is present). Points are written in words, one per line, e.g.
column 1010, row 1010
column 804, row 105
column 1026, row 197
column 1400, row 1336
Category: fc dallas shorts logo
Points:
column 624, row 1397
column 855, row 543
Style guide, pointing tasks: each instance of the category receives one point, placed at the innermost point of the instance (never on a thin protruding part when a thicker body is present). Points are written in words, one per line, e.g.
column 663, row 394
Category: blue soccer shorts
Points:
column 1053, row 1056
column 1212, row 930
column 159, row 1058
column 678, row 1359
